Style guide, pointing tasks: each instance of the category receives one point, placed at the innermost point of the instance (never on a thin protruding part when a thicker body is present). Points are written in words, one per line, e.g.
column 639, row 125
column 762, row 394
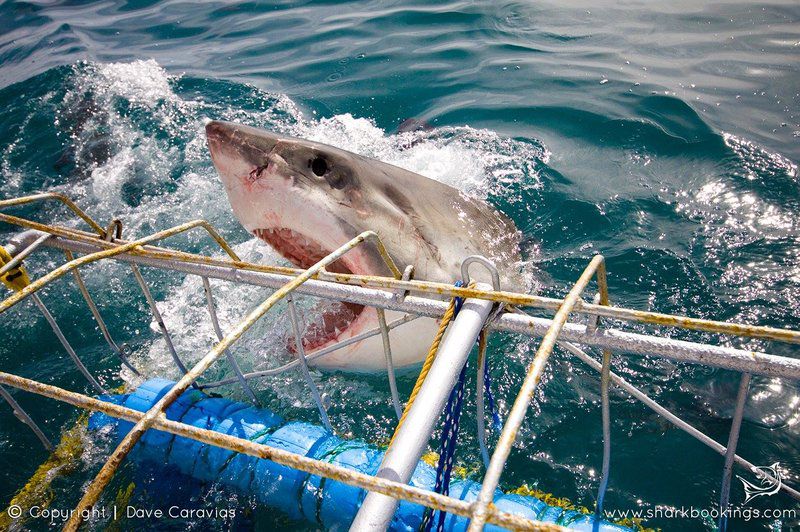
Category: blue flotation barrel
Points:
column 327, row 503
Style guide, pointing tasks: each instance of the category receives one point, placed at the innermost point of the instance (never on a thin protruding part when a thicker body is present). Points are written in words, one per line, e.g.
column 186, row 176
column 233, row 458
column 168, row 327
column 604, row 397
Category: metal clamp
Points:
column 591, row 324
column 401, row 294
column 113, row 231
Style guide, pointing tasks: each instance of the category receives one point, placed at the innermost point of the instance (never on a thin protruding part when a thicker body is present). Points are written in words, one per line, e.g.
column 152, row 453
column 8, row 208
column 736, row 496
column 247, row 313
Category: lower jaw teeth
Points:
column 328, row 322
column 331, row 319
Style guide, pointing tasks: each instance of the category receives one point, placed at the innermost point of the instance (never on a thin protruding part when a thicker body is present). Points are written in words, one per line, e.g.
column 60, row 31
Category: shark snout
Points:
column 220, row 139
column 246, row 143
column 216, row 130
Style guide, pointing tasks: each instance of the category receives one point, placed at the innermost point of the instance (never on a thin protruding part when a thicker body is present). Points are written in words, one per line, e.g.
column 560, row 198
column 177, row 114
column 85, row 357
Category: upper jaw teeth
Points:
column 295, row 246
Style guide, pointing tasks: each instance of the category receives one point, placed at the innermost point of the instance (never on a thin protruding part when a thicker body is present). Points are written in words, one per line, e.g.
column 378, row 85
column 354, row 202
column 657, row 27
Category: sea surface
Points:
column 663, row 135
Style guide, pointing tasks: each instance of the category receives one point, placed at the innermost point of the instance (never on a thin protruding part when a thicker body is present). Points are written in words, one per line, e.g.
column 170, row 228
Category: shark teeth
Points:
column 334, row 318
column 301, row 250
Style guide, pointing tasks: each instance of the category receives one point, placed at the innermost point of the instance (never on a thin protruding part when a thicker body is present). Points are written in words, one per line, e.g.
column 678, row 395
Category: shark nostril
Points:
column 255, row 173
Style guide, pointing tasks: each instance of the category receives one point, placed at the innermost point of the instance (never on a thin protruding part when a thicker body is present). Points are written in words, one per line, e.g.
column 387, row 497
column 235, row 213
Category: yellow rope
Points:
column 16, row 278
column 426, row 366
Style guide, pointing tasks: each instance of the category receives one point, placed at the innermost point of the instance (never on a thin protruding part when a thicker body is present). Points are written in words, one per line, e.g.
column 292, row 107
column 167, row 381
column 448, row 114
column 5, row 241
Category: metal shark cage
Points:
column 485, row 307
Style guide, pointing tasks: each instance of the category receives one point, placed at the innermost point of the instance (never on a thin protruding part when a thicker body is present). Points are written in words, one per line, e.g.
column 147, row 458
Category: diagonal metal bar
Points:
column 98, row 318
column 151, row 302
column 516, row 416
column 301, row 357
column 23, row 416
column 65, row 343
column 18, row 257
column 107, row 471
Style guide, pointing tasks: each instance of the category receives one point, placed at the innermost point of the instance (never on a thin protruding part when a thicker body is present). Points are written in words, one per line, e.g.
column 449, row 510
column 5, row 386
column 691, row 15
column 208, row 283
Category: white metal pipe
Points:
column 622, row 342
column 412, row 437
column 20, row 254
column 642, row 344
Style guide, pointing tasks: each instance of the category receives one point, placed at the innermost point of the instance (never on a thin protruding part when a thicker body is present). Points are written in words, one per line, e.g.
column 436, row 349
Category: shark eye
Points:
column 319, row 166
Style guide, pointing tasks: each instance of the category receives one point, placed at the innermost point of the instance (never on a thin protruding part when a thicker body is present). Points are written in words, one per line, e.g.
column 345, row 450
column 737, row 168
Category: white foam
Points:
column 107, row 180
column 139, row 82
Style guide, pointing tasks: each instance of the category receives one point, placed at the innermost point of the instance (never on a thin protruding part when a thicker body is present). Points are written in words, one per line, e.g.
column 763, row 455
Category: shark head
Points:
column 306, row 199
column 303, row 198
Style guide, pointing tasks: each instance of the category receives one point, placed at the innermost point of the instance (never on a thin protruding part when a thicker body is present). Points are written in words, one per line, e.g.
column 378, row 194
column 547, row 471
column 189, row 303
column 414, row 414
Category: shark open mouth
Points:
column 334, row 317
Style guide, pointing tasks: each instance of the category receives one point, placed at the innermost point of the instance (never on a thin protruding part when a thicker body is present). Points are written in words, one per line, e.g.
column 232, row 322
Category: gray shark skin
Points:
column 305, row 199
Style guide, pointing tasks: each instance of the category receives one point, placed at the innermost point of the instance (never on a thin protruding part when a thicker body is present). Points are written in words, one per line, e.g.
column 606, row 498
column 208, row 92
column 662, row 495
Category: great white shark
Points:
column 305, row 199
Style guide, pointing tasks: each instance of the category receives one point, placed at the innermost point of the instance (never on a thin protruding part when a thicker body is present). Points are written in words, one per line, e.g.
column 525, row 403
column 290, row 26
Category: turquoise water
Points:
column 663, row 136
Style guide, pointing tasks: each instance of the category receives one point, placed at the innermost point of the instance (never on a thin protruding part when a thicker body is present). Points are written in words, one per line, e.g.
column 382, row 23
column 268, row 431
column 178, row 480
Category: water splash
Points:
column 137, row 138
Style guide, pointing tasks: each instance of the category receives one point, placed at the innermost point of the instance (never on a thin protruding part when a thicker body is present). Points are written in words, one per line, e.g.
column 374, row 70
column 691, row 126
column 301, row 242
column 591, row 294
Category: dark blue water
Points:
column 664, row 136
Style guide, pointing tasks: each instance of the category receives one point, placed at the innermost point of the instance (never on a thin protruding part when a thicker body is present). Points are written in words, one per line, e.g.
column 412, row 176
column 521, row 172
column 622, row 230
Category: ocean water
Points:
column 662, row 135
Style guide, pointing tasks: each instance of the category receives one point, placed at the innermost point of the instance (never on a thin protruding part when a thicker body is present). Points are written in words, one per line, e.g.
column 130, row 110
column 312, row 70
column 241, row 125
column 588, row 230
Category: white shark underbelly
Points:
column 409, row 344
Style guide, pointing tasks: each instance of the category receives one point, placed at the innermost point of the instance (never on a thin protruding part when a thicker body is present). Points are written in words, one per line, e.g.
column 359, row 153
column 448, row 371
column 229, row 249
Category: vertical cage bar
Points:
column 64, row 342
column 730, row 453
column 605, row 383
column 23, row 416
column 301, row 356
column 479, row 398
column 159, row 320
column 97, row 317
column 387, row 351
column 212, row 311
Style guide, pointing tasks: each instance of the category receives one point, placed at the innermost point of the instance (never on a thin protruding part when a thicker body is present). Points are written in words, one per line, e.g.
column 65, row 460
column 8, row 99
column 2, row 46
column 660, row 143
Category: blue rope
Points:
column 447, row 450
column 447, row 444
